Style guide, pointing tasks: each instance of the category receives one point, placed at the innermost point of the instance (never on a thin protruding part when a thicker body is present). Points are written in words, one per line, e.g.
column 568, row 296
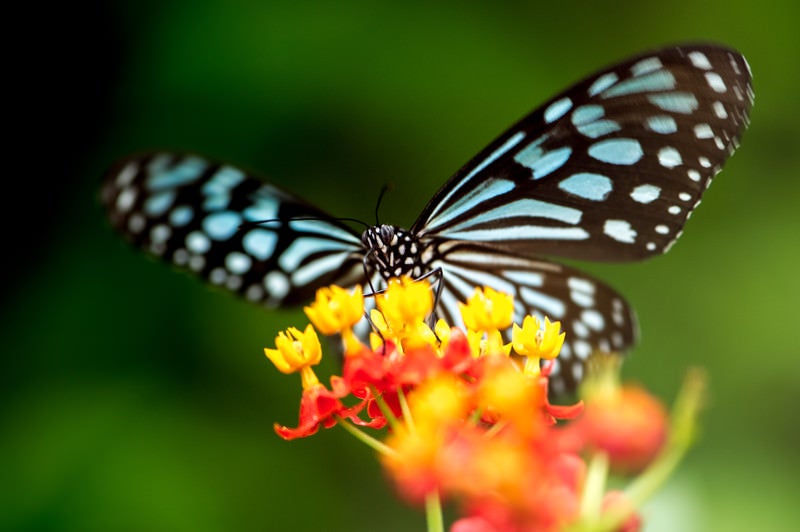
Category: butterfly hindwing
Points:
column 230, row 228
column 608, row 170
column 594, row 316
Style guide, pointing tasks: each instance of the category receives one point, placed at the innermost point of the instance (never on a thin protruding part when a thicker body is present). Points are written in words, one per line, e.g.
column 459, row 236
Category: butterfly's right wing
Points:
column 204, row 217
column 609, row 169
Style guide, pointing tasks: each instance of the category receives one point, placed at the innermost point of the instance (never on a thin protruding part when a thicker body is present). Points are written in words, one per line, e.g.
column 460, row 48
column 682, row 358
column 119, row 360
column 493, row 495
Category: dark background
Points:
column 134, row 398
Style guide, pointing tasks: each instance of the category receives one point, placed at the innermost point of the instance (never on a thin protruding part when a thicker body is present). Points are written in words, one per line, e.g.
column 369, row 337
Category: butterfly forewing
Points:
column 230, row 228
column 608, row 170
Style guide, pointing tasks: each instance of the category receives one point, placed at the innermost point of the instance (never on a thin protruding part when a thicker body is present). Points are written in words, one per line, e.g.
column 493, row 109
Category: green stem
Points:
column 359, row 434
column 385, row 410
column 401, row 398
column 433, row 512
column 594, row 488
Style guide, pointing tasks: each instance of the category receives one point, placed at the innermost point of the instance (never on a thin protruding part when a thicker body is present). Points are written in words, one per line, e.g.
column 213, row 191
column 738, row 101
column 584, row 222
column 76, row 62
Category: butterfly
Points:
column 608, row 170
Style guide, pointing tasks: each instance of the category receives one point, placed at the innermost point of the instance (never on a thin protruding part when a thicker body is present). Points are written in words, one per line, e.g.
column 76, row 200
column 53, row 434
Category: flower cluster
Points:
column 468, row 414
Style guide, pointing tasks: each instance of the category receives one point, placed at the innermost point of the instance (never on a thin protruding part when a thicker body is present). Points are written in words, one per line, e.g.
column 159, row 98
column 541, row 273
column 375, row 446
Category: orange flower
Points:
column 627, row 423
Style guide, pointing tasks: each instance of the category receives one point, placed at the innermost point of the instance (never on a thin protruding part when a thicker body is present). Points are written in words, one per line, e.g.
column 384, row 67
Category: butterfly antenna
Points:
column 384, row 189
column 249, row 223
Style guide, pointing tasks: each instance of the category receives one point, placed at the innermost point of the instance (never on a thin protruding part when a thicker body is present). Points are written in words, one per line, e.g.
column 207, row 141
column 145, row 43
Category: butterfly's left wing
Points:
column 608, row 170
column 232, row 229
column 594, row 316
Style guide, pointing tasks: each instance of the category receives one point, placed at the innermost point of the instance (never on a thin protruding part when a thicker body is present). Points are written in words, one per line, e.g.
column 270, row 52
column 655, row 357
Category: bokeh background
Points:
column 135, row 398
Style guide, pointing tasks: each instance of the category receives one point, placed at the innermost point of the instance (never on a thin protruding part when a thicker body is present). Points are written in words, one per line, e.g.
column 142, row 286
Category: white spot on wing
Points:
column 238, row 263
column 594, row 187
column 703, row 131
column 277, row 285
column 260, row 243
column 221, row 225
column 645, row 193
column 593, row 319
column 620, row 151
column 126, row 199
column 669, row 157
column 181, row 215
column 716, row 82
column 620, row 230
column 197, row 243
column 699, row 60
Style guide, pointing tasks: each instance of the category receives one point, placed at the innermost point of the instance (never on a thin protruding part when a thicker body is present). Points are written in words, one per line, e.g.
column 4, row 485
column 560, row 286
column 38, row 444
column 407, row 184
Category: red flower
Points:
column 320, row 406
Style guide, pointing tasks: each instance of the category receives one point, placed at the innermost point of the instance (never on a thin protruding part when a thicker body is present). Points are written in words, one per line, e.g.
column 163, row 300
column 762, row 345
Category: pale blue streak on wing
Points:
column 660, row 80
column 507, row 145
column 677, row 102
column 480, row 194
column 324, row 228
column 598, row 129
column 542, row 162
column 188, row 171
column 520, row 232
column 302, row 247
column 587, row 113
column 525, row 207
column 602, row 83
column 663, row 124
column 477, row 277
column 159, row 203
column 317, row 268
column 223, row 181
column 548, row 305
column 525, row 278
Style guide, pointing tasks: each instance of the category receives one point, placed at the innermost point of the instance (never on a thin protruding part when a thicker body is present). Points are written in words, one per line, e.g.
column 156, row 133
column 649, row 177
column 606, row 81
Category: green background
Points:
column 133, row 398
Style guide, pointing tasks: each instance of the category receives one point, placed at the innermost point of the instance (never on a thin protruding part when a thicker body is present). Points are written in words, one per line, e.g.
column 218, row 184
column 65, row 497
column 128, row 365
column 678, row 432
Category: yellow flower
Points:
column 405, row 302
column 537, row 341
column 335, row 309
column 487, row 310
column 297, row 351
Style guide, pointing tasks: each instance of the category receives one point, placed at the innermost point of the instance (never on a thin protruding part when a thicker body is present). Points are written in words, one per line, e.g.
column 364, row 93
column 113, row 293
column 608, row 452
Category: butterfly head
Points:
column 392, row 251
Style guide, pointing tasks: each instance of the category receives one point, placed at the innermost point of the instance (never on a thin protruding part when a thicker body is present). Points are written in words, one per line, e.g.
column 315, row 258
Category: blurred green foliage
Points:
column 134, row 398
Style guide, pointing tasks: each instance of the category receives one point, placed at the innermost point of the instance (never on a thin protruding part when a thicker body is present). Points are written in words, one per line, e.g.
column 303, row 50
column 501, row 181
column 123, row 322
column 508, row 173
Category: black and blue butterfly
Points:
column 608, row 170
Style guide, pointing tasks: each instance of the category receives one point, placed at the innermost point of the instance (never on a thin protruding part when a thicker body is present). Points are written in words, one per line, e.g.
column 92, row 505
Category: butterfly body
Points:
column 608, row 170
column 392, row 251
